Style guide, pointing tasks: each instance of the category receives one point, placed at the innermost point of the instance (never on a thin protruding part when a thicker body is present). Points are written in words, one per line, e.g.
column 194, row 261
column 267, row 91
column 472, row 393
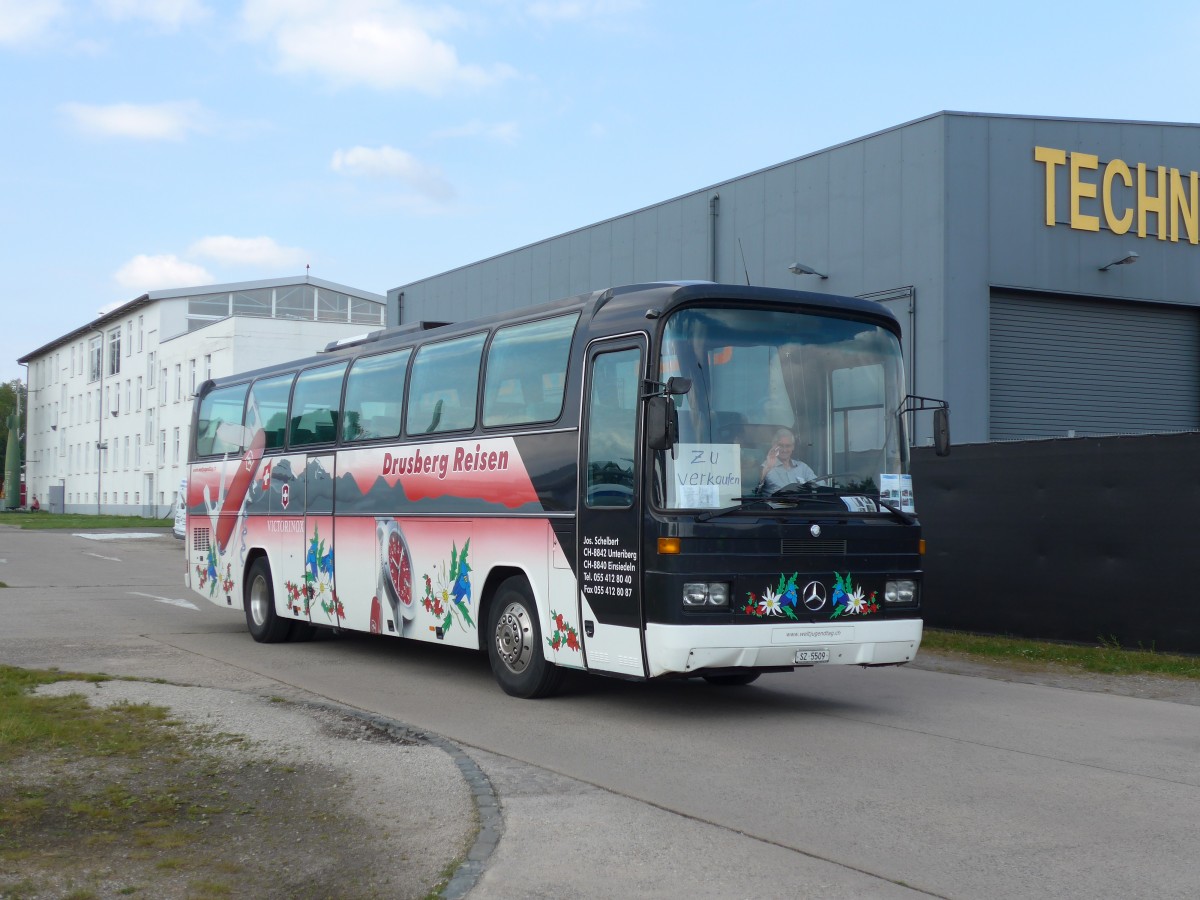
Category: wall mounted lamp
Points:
column 1128, row 259
column 801, row 269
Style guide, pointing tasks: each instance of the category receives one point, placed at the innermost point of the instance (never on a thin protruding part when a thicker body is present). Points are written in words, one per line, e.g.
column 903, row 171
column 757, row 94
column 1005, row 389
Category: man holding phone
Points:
column 780, row 469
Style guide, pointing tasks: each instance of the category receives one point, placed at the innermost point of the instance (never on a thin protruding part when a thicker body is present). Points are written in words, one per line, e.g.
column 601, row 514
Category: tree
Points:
column 9, row 392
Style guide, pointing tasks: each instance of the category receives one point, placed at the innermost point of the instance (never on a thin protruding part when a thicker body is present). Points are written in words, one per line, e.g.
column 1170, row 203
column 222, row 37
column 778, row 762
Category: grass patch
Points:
column 44, row 520
column 126, row 800
column 1105, row 657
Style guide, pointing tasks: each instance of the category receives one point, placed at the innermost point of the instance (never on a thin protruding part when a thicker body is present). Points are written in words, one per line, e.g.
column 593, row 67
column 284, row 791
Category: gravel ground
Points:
column 341, row 808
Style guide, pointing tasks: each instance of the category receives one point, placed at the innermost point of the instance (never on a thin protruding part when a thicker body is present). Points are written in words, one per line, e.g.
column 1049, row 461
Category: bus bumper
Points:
column 690, row 648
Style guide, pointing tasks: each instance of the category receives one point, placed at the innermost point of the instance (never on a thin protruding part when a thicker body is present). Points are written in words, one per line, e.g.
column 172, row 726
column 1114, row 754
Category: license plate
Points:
column 812, row 656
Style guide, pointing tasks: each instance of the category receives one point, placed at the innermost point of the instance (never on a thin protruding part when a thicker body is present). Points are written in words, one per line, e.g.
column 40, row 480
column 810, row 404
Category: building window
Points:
column 129, row 338
column 128, row 395
column 207, row 366
column 178, row 381
column 114, row 351
column 175, row 448
column 94, row 358
column 141, row 333
column 150, row 370
column 191, row 377
column 139, row 393
column 162, row 387
column 126, row 453
column 149, row 424
column 137, row 451
column 162, row 448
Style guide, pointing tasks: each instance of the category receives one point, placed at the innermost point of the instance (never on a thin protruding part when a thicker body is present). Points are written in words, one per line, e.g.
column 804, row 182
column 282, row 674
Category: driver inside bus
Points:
column 780, row 468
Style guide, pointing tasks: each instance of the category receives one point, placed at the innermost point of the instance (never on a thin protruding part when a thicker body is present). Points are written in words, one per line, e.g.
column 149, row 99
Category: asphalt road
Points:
column 826, row 782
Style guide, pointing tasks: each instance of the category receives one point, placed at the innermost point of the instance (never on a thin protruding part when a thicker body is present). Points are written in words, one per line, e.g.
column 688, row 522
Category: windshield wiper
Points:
column 906, row 518
column 806, row 492
column 739, row 503
column 792, row 490
column 780, row 496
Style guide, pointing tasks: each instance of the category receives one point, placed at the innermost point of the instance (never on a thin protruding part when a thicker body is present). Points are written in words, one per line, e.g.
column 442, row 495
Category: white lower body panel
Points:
column 689, row 648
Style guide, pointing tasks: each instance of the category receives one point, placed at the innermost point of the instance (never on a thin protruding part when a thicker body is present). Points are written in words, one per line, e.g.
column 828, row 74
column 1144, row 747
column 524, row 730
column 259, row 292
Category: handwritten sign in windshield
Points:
column 704, row 476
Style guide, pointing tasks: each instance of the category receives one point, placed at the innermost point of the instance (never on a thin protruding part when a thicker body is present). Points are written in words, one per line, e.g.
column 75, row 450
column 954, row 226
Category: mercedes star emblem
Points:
column 814, row 594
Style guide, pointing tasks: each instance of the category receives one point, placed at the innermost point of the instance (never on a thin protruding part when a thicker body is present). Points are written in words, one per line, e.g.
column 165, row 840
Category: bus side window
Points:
column 218, row 424
column 526, row 372
column 315, row 406
column 373, row 387
column 267, row 409
column 444, row 384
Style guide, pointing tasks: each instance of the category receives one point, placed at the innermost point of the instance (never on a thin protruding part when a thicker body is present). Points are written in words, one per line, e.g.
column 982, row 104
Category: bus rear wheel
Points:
column 259, row 598
column 515, row 644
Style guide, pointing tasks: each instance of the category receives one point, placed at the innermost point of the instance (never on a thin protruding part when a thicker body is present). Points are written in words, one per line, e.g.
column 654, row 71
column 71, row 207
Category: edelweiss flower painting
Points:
column 769, row 605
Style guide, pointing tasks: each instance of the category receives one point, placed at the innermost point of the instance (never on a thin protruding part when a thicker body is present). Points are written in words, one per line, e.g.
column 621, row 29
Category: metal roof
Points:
column 120, row 312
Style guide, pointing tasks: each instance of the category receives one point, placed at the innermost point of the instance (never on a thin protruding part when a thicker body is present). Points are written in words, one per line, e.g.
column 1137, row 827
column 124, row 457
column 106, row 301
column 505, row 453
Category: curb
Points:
column 487, row 806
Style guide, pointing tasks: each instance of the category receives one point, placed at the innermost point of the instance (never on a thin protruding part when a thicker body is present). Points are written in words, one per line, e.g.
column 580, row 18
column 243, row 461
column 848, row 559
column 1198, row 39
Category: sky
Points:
column 156, row 144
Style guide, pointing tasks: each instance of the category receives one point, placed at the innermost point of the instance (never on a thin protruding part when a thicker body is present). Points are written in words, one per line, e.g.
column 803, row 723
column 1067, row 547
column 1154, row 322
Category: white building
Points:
column 110, row 402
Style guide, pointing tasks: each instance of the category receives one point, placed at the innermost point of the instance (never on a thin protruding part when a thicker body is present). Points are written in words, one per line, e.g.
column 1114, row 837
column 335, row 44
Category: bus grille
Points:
column 199, row 538
column 812, row 548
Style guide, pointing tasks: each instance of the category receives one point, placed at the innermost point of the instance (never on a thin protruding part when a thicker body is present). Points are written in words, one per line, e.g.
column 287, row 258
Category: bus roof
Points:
column 624, row 307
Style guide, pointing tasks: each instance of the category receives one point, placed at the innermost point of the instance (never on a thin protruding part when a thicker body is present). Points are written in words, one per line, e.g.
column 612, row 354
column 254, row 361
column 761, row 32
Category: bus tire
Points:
column 259, row 599
column 515, row 644
column 736, row 679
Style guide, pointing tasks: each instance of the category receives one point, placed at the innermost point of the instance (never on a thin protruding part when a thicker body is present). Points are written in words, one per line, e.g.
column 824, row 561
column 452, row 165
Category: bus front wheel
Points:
column 265, row 626
column 515, row 644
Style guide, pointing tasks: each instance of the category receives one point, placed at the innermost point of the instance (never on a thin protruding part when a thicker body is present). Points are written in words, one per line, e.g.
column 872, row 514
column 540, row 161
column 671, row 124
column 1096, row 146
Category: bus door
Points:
column 610, row 595
column 324, row 607
column 283, row 482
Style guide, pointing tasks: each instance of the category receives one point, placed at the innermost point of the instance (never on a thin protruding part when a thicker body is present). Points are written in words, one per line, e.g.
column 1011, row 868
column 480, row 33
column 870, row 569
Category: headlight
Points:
column 900, row 592
column 705, row 593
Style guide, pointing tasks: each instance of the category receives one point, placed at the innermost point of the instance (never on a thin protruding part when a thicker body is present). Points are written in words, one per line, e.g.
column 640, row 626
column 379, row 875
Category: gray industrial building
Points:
column 1045, row 271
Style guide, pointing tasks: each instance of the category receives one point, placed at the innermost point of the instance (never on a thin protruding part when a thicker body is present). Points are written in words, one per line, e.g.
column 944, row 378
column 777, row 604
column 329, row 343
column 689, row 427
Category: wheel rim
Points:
column 514, row 638
column 260, row 600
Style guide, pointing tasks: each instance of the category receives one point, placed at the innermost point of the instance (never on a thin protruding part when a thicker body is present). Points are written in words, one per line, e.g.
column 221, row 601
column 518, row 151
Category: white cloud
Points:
column 380, row 43
column 388, row 162
column 169, row 15
column 150, row 273
column 150, row 121
column 26, row 20
column 577, row 10
column 504, row 132
column 256, row 251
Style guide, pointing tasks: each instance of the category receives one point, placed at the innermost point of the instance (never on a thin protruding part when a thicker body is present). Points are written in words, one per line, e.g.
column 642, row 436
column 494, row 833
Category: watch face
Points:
column 397, row 570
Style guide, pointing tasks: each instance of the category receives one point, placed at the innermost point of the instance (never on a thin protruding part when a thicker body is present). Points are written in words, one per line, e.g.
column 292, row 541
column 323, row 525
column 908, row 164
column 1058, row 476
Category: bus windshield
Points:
column 791, row 405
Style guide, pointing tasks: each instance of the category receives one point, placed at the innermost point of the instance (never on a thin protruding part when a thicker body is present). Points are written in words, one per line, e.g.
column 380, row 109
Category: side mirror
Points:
column 662, row 423
column 941, row 431
column 677, row 385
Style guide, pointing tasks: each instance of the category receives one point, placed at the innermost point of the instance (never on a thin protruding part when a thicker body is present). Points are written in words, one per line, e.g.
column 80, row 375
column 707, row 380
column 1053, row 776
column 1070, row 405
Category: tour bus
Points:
column 665, row 480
